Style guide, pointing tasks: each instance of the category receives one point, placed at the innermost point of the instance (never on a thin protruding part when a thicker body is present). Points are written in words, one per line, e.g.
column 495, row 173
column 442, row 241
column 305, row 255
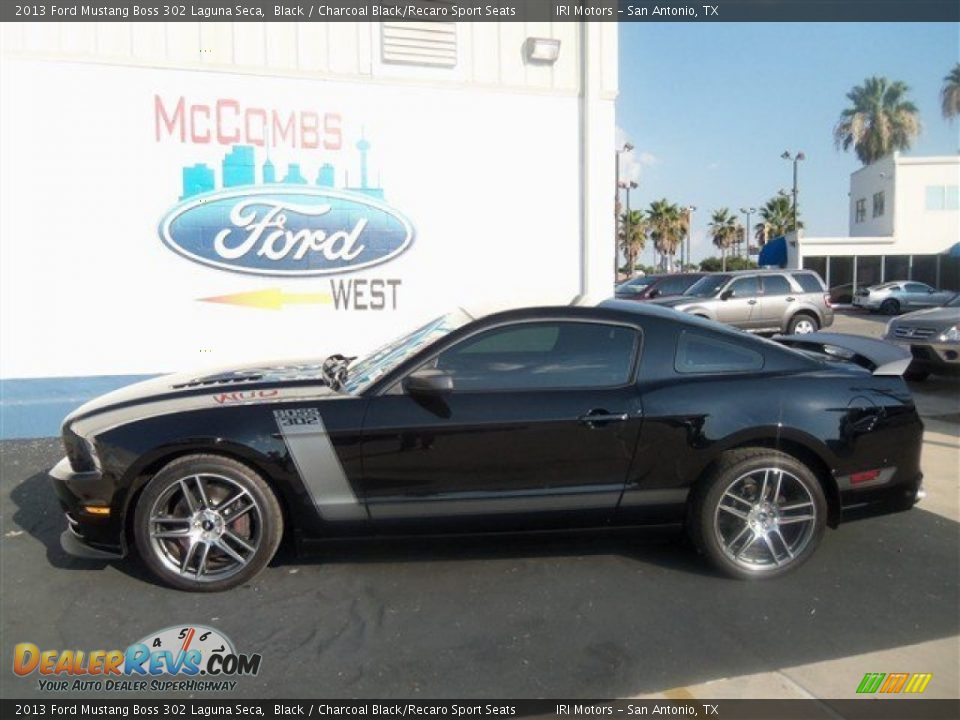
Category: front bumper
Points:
column 934, row 356
column 90, row 534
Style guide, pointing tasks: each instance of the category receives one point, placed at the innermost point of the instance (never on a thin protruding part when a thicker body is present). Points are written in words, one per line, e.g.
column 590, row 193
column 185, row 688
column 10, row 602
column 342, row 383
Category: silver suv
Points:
column 787, row 301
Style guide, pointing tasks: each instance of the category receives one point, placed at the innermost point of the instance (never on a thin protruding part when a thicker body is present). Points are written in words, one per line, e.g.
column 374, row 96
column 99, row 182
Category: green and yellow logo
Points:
column 894, row 683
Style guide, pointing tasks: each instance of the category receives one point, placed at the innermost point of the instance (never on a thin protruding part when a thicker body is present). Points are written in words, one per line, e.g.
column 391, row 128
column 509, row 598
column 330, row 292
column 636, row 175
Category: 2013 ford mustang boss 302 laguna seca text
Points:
column 533, row 419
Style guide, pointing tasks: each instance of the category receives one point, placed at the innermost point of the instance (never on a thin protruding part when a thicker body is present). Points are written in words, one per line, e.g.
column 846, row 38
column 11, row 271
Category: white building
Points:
column 364, row 177
column 904, row 224
column 486, row 171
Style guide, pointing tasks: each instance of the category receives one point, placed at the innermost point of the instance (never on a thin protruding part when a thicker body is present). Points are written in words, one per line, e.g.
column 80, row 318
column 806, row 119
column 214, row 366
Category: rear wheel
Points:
column 206, row 523
column 802, row 324
column 890, row 307
column 760, row 514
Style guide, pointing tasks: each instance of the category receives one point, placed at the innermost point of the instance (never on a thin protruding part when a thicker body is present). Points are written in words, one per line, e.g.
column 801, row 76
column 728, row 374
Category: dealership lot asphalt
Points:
column 575, row 616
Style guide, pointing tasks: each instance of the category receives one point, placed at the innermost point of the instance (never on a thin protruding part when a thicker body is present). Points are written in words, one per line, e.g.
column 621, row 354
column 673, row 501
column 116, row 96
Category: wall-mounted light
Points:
column 541, row 50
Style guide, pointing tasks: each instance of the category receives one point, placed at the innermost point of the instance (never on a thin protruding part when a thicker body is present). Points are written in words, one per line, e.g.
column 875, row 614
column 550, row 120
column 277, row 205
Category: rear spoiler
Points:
column 877, row 356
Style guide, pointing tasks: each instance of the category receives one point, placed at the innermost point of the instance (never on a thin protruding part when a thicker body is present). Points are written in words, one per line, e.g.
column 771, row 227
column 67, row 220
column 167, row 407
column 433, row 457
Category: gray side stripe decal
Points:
column 317, row 462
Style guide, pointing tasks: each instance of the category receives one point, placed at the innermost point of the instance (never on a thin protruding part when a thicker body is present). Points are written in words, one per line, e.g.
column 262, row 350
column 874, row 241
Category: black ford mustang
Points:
column 542, row 418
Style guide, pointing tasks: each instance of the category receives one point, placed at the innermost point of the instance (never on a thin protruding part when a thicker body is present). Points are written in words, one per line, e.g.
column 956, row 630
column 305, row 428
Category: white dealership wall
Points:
column 907, row 226
column 504, row 169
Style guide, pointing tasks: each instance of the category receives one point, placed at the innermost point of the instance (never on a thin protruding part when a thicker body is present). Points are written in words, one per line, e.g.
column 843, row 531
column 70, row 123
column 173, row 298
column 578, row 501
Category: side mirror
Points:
column 428, row 382
column 726, row 294
column 654, row 293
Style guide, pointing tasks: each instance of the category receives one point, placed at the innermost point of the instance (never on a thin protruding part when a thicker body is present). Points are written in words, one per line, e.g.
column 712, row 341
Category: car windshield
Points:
column 707, row 286
column 635, row 285
column 385, row 358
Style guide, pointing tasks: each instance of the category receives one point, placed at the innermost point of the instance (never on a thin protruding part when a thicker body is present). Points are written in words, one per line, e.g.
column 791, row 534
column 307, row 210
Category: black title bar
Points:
column 485, row 10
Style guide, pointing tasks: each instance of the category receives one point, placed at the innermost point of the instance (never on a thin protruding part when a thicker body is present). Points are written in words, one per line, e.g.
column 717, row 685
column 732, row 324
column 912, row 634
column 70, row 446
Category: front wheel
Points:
column 206, row 523
column 760, row 514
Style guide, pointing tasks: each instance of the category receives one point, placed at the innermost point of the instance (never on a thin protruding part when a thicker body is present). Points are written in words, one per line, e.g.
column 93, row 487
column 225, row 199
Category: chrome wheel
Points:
column 765, row 519
column 205, row 527
column 804, row 326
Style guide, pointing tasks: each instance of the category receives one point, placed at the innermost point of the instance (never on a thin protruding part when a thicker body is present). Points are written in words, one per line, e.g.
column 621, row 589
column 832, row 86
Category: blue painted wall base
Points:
column 35, row 407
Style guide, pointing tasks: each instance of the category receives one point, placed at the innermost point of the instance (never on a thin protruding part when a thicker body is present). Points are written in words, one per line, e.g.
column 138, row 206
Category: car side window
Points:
column 776, row 285
column 705, row 354
column 540, row 355
column 917, row 288
column 809, row 283
column 745, row 287
column 674, row 286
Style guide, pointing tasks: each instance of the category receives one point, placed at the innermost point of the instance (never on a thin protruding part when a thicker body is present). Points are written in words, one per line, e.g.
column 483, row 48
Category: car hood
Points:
column 237, row 384
column 676, row 300
column 930, row 317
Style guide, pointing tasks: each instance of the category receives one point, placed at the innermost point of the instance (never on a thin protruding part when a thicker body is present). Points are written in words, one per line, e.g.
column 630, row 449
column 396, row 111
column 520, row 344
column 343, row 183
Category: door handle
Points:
column 751, row 302
column 598, row 418
column 791, row 299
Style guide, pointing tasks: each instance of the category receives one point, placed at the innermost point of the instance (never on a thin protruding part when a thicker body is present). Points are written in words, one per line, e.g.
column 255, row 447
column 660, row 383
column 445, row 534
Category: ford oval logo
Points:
column 286, row 232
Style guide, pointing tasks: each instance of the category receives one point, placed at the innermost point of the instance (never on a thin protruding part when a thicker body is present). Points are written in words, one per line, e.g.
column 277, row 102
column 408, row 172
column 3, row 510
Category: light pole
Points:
column 685, row 254
column 796, row 160
column 627, row 147
column 628, row 226
column 748, row 212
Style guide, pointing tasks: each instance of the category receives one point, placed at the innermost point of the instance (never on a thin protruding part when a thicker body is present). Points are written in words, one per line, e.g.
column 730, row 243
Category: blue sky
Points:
column 710, row 108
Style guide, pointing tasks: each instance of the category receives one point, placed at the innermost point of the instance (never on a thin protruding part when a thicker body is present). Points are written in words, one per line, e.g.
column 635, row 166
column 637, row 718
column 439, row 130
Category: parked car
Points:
column 789, row 301
column 892, row 298
column 933, row 336
column 841, row 294
column 534, row 419
column 648, row 287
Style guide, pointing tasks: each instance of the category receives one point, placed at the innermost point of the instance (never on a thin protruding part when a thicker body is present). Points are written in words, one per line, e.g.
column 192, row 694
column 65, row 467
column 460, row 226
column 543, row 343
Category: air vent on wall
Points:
column 419, row 43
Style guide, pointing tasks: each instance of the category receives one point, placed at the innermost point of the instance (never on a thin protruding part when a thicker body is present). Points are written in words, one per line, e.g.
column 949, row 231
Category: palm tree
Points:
column 666, row 228
column 950, row 93
column 879, row 121
column 776, row 219
column 761, row 233
column 723, row 231
column 633, row 236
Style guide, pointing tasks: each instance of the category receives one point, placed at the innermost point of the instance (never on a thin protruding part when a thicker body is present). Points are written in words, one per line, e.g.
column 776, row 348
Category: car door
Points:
column 931, row 297
column 918, row 295
column 539, row 429
column 778, row 295
column 738, row 301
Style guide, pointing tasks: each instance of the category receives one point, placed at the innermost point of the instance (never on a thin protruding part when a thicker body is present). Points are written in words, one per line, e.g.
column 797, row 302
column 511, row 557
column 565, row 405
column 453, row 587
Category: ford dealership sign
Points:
column 286, row 231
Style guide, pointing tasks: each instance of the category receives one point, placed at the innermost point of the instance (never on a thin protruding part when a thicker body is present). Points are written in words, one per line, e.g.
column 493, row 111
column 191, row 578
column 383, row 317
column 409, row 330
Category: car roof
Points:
column 611, row 309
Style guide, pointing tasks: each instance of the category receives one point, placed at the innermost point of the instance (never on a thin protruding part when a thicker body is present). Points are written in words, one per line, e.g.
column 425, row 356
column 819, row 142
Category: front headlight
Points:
column 92, row 453
column 950, row 334
column 81, row 452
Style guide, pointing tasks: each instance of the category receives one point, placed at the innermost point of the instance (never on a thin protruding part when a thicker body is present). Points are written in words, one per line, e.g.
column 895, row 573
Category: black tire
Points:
column 229, row 509
column 711, row 531
column 890, row 307
column 802, row 320
column 916, row 375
